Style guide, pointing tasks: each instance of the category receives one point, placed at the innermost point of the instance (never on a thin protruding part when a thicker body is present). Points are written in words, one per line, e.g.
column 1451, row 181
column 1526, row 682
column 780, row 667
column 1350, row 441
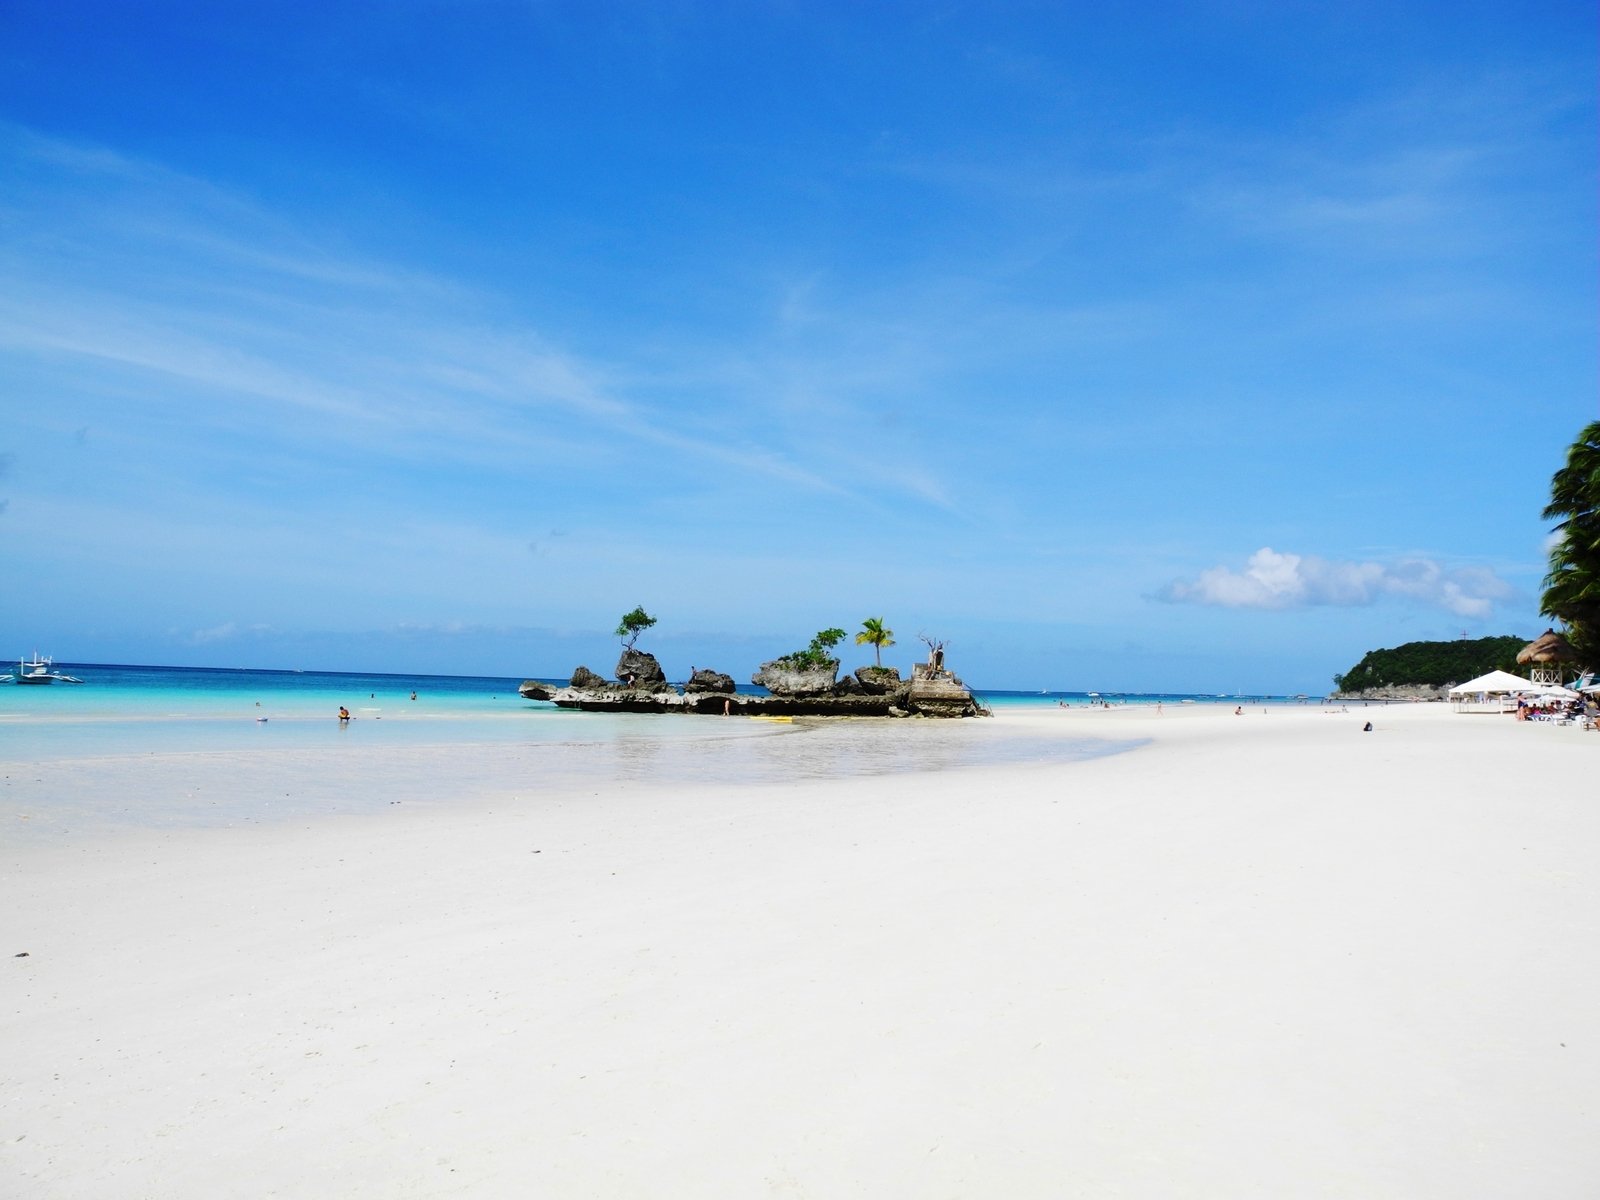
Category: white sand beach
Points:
column 1263, row 955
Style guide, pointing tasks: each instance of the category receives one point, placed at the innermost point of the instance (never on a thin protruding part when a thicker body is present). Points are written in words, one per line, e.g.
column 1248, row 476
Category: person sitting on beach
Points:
column 344, row 713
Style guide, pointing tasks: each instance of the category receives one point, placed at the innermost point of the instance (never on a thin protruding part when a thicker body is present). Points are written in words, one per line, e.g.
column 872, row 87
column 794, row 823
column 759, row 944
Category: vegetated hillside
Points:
column 1431, row 663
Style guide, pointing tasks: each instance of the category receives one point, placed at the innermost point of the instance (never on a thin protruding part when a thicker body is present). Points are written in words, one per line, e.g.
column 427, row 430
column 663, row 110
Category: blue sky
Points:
column 1184, row 347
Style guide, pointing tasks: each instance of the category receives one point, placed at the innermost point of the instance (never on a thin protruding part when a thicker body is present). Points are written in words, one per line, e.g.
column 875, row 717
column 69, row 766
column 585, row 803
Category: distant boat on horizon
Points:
column 38, row 670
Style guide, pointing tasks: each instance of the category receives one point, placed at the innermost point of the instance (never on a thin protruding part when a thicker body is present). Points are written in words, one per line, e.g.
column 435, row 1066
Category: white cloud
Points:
column 217, row 633
column 1271, row 580
column 226, row 632
column 301, row 341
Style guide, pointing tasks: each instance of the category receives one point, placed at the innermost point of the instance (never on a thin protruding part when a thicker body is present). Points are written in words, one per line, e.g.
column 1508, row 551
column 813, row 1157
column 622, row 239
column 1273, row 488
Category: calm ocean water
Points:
column 154, row 709
column 154, row 692
column 136, row 748
column 157, row 747
column 130, row 710
column 1012, row 699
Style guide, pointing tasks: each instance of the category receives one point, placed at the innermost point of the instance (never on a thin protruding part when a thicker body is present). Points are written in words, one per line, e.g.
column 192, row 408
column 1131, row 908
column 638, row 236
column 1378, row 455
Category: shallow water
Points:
column 154, row 748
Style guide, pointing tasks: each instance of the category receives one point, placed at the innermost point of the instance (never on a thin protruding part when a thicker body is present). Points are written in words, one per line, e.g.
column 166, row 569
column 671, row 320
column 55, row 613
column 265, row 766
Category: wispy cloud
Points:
column 1433, row 172
column 178, row 280
column 1274, row 580
column 228, row 631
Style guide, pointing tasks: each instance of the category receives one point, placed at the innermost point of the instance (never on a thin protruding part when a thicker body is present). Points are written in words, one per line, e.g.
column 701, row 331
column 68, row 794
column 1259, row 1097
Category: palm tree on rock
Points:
column 875, row 635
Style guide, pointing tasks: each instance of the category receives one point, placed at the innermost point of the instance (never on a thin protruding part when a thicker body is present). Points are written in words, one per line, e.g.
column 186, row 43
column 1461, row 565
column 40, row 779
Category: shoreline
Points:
column 1266, row 954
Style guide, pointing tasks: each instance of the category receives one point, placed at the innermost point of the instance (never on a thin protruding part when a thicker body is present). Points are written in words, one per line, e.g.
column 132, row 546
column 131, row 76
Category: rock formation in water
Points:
column 878, row 681
column 636, row 669
column 932, row 691
column 782, row 678
column 714, row 682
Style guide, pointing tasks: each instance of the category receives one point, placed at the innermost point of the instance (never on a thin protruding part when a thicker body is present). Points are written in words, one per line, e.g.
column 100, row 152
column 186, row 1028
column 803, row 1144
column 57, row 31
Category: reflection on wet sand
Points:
column 55, row 799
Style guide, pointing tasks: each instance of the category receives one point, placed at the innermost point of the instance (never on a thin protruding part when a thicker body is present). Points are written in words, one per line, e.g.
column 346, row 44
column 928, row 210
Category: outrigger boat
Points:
column 39, row 670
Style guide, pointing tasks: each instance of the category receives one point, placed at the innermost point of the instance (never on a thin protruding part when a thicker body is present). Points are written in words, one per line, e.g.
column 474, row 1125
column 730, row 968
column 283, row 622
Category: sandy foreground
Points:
column 1267, row 955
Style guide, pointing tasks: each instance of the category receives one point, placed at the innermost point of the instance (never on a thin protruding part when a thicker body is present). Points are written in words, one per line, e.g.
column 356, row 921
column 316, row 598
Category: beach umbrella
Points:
column 1545, row 654
column 1548, row 647
column 1550, row 691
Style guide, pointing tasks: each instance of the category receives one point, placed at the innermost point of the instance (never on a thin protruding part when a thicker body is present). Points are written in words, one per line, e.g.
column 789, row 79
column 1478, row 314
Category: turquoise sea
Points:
column 121, row 708
column 1014, row 699
column 159, row 747
column 156, row 747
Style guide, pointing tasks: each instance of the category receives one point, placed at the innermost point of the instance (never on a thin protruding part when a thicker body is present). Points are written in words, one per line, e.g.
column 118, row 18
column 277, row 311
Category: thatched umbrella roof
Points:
column 1549, row 648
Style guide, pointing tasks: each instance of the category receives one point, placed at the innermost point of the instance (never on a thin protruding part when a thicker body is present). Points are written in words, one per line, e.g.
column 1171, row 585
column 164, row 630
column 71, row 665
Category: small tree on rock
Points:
column 632, row 625
column 818, row 653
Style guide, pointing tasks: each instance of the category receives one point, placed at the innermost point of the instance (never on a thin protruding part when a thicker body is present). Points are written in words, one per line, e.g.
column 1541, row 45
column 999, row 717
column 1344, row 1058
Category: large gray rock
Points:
column 638, row 669
column 879, row 681
column 782, row 679
column 587, row 679
column 705, row 680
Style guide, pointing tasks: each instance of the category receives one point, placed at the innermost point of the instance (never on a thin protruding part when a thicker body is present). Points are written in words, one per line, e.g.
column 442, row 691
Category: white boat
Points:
column 40, row 670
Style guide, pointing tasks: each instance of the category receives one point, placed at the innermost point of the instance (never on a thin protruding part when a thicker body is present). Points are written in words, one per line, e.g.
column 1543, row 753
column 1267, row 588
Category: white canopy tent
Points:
column 1495, row 682
column 1489, row 693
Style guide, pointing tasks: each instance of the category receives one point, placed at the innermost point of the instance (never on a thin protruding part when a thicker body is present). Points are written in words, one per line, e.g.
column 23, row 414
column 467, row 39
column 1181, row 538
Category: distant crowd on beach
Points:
column 1584, row 711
